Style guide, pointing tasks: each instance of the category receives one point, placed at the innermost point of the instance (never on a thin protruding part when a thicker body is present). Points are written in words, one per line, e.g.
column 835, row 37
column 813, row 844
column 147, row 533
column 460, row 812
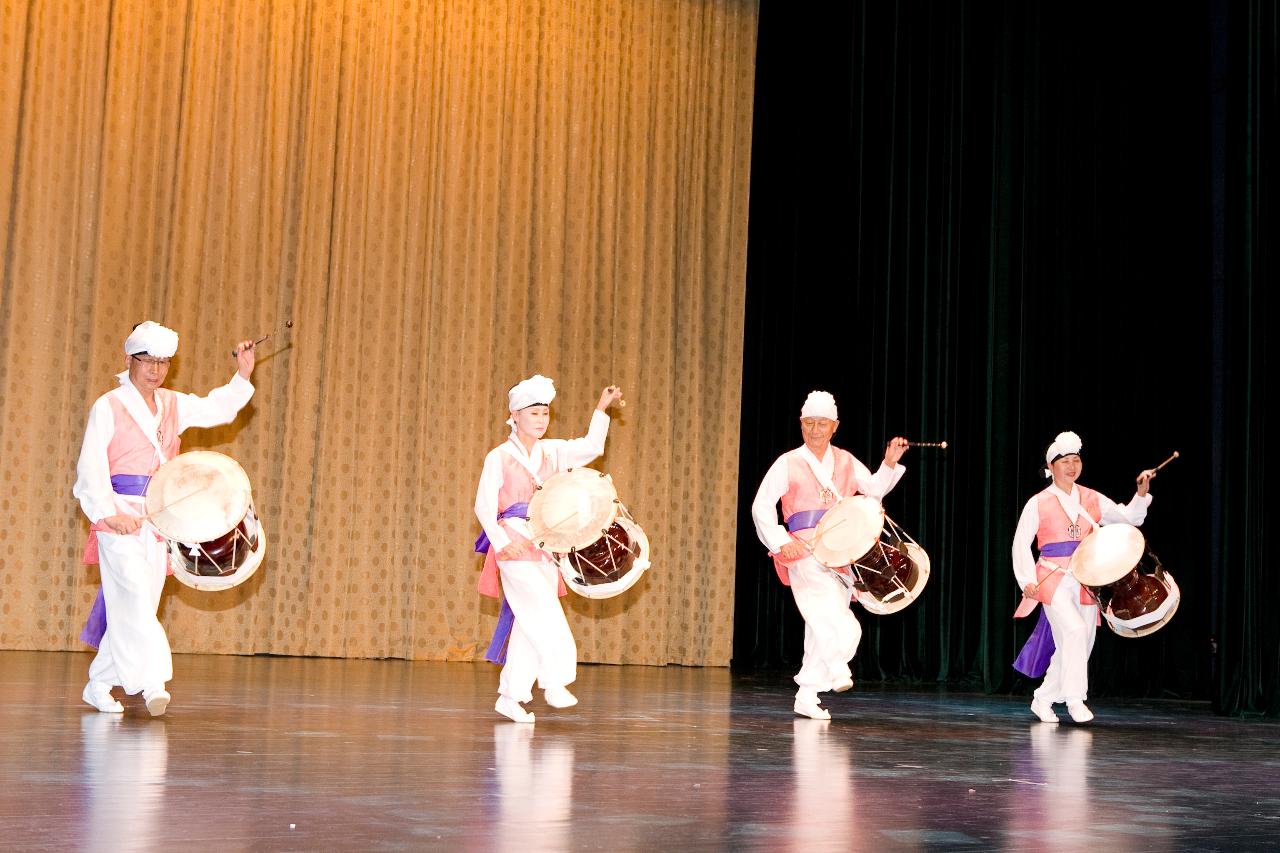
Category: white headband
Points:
column 153, row 339
column 819, row 404
column 1065, row 444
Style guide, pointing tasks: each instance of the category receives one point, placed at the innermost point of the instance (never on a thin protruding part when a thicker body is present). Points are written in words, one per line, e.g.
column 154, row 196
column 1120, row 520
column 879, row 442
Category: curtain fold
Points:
column 983, row 223
column 443, row 197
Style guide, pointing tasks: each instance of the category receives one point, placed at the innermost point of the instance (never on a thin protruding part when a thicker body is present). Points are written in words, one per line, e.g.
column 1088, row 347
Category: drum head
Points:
column 847, row 531
column 572, row 509
column 1108, row 554
column 198, row 496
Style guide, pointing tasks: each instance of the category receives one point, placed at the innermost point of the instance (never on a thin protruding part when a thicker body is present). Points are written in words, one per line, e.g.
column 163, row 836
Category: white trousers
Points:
column 134, row 653
column 831, row 633
column 1074, row 627
column 541, row 647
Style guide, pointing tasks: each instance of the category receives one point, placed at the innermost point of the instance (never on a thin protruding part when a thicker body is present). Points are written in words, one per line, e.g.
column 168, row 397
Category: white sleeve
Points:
column 764, row 509
column 879, row 484
column 573, row 452
column 487, row 501
column 1024, row 561
column 1134, row 512
column 93, row 471
column 218, row 407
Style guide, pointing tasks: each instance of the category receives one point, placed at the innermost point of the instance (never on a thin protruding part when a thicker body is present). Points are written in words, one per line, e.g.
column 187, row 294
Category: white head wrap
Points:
column 1065, row 444
column 153, row 339
column 819, row 404
column 537, row 390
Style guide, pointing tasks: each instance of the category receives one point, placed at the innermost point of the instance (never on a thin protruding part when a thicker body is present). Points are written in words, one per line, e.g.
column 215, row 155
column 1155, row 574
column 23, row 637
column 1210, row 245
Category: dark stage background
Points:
column 987, row 223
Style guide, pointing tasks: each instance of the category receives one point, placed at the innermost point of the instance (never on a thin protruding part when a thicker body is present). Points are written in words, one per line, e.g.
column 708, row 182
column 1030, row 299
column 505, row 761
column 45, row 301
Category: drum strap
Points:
column 1072, row 508
column 516, row 452
column 824, row 479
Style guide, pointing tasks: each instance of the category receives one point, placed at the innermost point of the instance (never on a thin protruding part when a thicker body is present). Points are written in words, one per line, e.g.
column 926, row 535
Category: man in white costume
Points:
column 1056, row 520
column 533, row 639
column 808, row 481
column 131, row 432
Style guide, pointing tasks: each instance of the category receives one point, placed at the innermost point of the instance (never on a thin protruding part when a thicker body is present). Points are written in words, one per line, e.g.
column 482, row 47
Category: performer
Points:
column 1057, row 519
column 131, row 432
column 540, row 647
column 808, row 480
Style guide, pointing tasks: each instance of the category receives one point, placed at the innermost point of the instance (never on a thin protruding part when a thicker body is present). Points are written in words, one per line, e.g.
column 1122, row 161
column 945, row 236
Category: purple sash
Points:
column 805, row 520
column 513, row 511
column 1033, row 660
column 497, row 651
column 95, row 627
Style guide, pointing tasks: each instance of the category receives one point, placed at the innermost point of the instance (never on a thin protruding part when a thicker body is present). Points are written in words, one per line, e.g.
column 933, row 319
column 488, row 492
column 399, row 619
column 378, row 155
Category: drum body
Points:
column 1142, row 602
column 202, row 504
column 892, row 573
column 1135, row 594
column 598, row 547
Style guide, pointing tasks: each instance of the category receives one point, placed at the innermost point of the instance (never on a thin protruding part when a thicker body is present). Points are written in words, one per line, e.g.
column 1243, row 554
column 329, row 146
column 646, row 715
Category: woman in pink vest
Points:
column 131, row 432
column 532, row 640
column 808, row 480
column 1056, row 520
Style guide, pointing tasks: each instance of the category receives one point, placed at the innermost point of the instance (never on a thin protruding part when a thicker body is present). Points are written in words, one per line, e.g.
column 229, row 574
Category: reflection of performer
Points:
column 808, row 480
column 131, row 432
column 123, row 772
column 1055, row 807
column 823, row 802
column 535, row 784
column 541, row 646
column 1057, row 519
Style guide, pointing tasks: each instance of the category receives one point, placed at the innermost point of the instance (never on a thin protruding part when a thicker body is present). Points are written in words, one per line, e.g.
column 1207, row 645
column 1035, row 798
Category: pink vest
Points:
column 1054, row 526
column 131, row 452
column 517, row 487
column 804, row 492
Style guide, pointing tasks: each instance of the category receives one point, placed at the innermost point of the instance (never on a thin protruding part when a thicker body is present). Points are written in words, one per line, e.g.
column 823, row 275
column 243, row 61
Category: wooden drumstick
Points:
column 288, row 324
column 1166, row 462
column 941, row 445
column 150, row 515
column 1056, row 569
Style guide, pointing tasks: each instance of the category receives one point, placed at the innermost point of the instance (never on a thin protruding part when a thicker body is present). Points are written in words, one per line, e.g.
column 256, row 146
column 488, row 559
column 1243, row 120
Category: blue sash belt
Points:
column 130, row 484
column 805, row 520
column 497, row 651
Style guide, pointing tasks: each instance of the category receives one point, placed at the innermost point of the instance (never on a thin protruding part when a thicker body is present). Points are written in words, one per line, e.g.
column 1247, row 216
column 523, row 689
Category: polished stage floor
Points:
column 316, row 754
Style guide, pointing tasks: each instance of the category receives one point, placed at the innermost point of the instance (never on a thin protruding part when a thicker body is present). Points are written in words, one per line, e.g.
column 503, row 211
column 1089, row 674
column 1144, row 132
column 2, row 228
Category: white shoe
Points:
column 511, row 709
column 842, row 685
column 812, row 710
column 1079, row 712
column 1043, row 710
column 559, row 697
column 157, row 701
column 99, row 696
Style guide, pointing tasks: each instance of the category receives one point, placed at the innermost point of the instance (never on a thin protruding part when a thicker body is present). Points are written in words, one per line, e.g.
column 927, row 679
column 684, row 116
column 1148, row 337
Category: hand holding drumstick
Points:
column 1144, row 479
column 608, row 395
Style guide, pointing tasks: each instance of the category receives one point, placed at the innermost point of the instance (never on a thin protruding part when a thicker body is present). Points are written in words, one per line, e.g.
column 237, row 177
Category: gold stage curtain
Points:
column 444, row 197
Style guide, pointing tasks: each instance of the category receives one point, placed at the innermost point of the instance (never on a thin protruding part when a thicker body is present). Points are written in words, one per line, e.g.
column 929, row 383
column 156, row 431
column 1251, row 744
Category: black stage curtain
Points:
column 986, row 224
column 1246, row 112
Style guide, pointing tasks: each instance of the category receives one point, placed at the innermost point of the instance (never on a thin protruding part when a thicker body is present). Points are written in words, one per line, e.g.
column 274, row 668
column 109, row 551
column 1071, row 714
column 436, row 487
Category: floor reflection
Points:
column 535, row 788
column 124, row 764
column 822, row 796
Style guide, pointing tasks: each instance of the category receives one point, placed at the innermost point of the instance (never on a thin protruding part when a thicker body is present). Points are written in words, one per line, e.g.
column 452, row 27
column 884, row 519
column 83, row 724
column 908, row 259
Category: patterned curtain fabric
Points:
column 444, row 197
